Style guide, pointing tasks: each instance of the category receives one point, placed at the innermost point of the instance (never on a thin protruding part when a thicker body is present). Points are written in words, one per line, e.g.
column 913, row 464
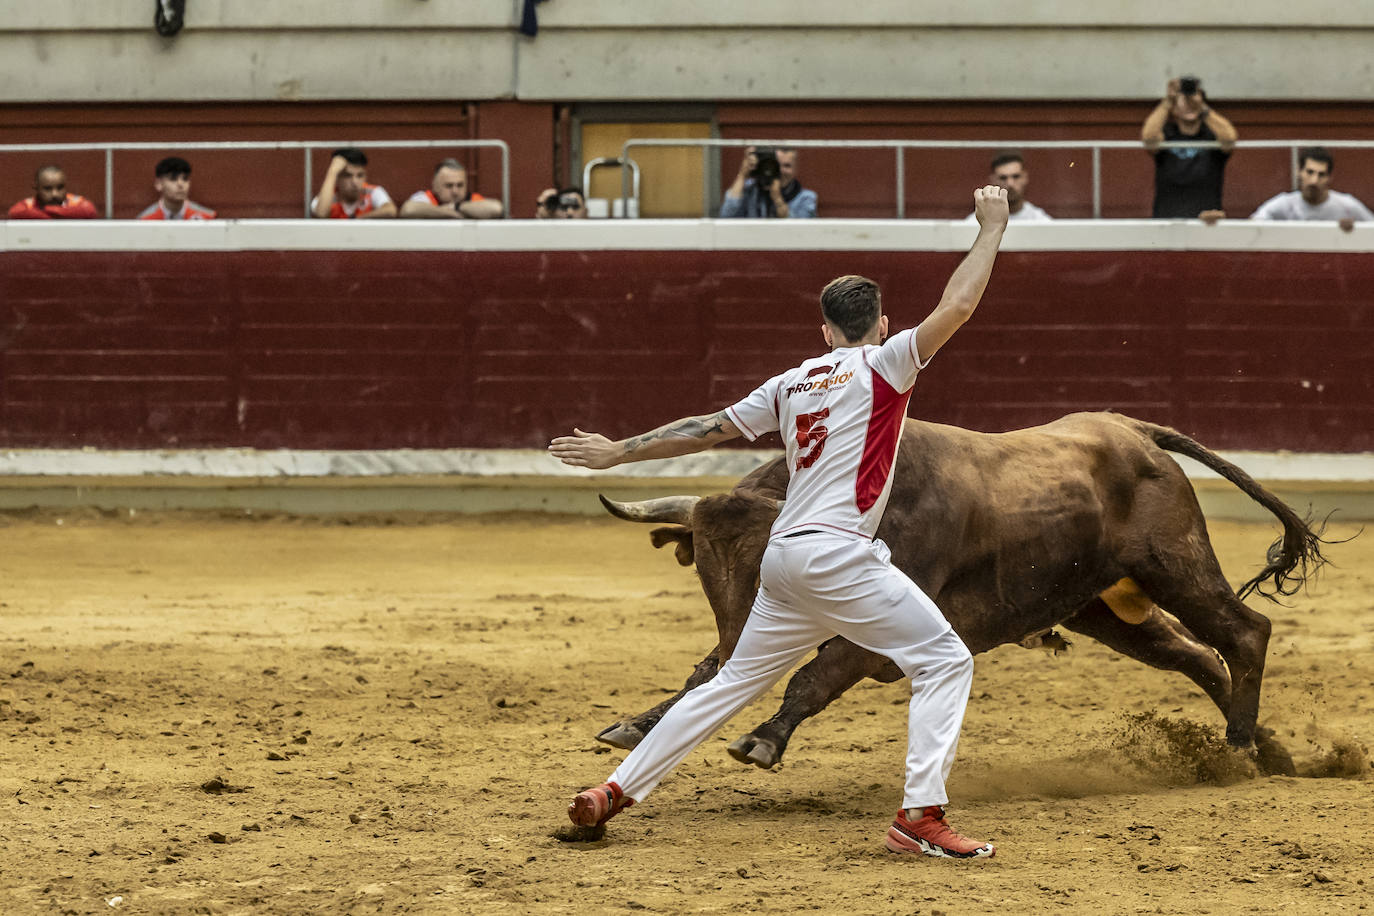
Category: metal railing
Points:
column 306, row 146
column 899, row 148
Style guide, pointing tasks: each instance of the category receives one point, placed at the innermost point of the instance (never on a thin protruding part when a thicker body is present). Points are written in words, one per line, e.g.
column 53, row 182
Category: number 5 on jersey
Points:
column 811, row 435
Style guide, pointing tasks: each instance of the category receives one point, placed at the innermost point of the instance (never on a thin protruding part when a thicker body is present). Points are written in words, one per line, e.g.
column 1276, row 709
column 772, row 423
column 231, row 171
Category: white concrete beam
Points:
column 76, row 50
column 895, row 63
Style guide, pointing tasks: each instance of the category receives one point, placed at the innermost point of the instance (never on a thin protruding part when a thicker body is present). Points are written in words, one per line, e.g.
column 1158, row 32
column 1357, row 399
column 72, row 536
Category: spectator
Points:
column 50, row 199
column 345, row 192
column 1314, row 198
column 449, row 197
column 172, row 180
column 1008, row 170
column 1187, row 181
column 767, row 187
column 568, row 203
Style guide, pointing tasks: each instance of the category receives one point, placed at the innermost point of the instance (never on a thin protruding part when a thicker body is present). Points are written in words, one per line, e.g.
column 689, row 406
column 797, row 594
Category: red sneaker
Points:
column 931, row 834
column 595, row 807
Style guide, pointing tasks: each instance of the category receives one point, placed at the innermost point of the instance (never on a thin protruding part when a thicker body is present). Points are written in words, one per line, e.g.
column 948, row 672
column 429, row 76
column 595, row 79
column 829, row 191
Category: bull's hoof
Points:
column 1270, row 756
column 759, row 752
column 626, row 737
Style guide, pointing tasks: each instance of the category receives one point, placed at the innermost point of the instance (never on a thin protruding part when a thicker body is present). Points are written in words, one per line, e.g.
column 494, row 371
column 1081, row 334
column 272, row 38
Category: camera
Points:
column 1189, row 85
column 766, row 169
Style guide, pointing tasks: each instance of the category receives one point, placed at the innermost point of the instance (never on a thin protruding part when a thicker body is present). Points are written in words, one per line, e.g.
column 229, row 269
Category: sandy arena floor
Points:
column 398, row 714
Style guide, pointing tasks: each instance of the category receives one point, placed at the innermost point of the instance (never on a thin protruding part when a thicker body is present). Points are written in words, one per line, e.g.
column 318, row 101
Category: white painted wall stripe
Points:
column 240, row 464
column 670, row 235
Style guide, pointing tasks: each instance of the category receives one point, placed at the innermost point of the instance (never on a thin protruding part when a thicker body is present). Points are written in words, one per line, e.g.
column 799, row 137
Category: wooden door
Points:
column 670, row 177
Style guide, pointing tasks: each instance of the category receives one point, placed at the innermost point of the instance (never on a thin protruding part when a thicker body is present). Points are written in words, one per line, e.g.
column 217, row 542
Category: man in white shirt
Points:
column 1008, row 171
column 823, row 574
column 1314, row 199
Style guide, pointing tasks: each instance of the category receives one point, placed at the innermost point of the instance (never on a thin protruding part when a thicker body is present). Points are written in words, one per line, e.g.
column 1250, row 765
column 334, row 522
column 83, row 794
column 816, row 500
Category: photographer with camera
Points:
column 568, row 203
column 1187, row 181
column 767, row 188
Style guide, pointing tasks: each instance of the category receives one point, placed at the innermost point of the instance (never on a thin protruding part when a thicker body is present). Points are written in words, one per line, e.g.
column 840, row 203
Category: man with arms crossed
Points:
column 450, row 198
column 823, row 573
column 51, row 199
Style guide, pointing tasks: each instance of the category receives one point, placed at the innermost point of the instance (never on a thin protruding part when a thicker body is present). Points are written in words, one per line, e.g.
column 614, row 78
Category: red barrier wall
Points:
column 387, row 349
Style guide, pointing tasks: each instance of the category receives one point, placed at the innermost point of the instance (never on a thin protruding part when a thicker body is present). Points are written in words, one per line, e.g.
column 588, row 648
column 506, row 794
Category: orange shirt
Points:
column 372, row 198
column 73, row 206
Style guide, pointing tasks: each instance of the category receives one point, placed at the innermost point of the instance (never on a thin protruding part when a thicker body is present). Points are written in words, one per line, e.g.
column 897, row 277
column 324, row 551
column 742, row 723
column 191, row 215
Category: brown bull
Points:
column 1012, row 534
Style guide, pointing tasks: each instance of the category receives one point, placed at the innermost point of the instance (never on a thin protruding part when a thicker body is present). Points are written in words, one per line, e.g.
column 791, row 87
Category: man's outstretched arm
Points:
column 681, row 437
column 965, row 287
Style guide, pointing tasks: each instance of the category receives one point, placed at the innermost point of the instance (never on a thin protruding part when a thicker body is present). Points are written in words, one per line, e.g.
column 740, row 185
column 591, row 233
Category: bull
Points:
column 1085, row 523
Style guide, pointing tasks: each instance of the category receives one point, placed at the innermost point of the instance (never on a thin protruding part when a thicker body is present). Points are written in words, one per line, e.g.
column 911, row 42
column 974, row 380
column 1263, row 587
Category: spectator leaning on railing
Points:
column 50, row 199
column 345, row 192
column 1187, row 181
column 1008, row 170
column 767, row 187
column 172, row 180
column 568, row 203
column 450, row 198
column 1314, row 198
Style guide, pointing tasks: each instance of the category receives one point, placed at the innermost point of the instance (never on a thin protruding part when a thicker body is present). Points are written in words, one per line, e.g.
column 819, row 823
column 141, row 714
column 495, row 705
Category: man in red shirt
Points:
column 50, row 199
column 450, row 198
column 345, row 192
column 172, row 180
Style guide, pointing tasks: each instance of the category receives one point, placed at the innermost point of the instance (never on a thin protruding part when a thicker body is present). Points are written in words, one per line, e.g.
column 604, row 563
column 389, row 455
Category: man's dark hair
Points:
column 573, row 189
column 1004, row 158
column 172, row 166
column 1317, row 154
column 852, row 305
column 450, row 163
column 352, row 155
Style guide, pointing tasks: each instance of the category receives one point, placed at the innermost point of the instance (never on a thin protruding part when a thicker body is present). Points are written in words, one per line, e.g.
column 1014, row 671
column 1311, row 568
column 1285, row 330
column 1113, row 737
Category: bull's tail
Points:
column 1294, row 557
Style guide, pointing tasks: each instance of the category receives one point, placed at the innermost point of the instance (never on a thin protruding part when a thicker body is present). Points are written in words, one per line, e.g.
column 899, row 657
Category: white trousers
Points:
column 816, row 586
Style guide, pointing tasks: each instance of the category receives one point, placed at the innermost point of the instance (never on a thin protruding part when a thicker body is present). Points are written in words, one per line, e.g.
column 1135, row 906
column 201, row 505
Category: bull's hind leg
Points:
column 1195, row 591
column 627, row 733
column 1160, row 643
column 1163, row 643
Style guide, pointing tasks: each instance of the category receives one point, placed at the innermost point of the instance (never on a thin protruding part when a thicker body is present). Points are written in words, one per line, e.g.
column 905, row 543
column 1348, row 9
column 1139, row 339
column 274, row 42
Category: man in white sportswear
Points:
column 1314, row 199
column 823, row 573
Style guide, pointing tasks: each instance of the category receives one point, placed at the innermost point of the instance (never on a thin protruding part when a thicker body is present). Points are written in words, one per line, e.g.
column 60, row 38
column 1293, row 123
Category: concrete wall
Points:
column 630, row 49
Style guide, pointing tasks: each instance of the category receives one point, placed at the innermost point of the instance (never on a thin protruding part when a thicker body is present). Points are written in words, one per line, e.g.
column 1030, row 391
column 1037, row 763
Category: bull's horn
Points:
column 674, row 509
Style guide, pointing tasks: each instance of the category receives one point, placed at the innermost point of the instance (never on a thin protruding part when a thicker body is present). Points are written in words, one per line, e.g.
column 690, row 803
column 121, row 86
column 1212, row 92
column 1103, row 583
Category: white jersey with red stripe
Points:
column 841, row 418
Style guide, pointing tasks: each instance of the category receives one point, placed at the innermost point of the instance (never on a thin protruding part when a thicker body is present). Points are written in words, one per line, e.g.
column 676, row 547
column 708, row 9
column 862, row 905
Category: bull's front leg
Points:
column 627, row 733
column 838, row 665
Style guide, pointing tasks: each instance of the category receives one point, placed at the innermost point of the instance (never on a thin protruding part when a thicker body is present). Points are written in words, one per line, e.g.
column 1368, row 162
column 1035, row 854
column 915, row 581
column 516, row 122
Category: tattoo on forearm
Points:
column 690, row 428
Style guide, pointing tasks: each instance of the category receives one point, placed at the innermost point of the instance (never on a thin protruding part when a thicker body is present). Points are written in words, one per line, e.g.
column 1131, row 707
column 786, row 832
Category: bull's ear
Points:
column 683, row 536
